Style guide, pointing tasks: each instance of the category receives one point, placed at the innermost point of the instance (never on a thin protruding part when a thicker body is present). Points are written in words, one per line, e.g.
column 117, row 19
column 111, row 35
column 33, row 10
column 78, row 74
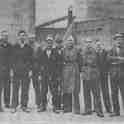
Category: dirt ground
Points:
column 49, row 117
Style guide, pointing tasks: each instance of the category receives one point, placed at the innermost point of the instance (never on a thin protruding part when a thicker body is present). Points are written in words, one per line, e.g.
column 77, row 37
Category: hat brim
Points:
column 116, row 37
column 49, row 39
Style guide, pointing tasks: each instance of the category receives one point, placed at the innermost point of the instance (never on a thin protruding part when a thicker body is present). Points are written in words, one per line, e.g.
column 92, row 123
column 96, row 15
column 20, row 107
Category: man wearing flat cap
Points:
column 71, row 76
column 49, row 76
column 116, row 58
column 37, row 69
column 91, row 80
column 5, row 53
column 103, row 66
column 59, row 66
column 21, row 62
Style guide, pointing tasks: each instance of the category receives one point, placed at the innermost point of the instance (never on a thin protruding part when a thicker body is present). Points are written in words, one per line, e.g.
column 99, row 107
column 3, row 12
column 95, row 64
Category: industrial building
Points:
column 105, row 16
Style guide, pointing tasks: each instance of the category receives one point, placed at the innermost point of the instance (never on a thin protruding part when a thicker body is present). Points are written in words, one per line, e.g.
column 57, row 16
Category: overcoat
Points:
column 71, row 71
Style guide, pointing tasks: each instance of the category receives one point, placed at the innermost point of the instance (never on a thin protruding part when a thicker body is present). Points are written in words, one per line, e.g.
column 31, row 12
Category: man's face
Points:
column 99, row 47
column 31, row 41
column 50, row 43
column 22, row 37
column 118, row 41
column 89, row 44
column 70, row 44
column 4, row 35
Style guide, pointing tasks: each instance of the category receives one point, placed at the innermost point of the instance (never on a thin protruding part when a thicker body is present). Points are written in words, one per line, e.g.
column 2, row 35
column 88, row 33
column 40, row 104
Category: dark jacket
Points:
column 59, row 61
column 113, row 53
column 5, row 53
column 102, row 61
column 50, row 63
column 21, row 58
column 37, row 61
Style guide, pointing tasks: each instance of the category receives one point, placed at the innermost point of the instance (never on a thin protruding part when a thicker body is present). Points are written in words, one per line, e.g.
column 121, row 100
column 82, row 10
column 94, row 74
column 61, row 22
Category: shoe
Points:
column 57, row 109
column 67, row 110
column 94, row 110
column 77, row 113
column 13, row 110
column 110, row 112
column 101, row 115
column 115, row 114
column 87, row 113
column 41, row 109
column 1, row 110
column 7, row 106
column 25, row 109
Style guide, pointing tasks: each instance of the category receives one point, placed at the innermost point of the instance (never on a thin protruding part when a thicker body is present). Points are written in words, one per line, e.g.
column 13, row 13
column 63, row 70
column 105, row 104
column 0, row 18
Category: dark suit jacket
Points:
column 5, row 53
column 114, row 53
column 49, row 63
column 102, row 61
column 59, row 61
column 21, row 58
column 37, row 61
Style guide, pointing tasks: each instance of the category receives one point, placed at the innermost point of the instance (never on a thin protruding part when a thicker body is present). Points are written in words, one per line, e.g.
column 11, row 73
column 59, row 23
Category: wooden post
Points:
column 70, row 15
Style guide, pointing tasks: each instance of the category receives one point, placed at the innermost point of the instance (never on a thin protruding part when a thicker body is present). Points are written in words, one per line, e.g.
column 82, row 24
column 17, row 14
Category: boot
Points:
column 42, row 108
column 87, row 113
column 13, row 110
column 115, row 114
column 25, row 109
column 100, row 114
column 1, row 109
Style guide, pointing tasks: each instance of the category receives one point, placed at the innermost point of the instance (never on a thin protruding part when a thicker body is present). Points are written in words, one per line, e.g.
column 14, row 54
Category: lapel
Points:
column 59, row 51
column 48, row 57
column 115, row 51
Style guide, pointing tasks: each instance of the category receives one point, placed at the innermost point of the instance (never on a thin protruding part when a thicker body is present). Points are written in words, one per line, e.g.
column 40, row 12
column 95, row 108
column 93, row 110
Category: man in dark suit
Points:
column 91, row 80
column 103, row 66
column 116, row 58
column 37, row 71
column 5, row 53
column 59, row 68
column 22, row 62
column 50, row 74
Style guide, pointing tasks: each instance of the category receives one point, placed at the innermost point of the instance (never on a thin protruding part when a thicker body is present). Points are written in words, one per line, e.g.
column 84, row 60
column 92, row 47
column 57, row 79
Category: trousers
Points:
column 116, row 84
column 92, row 86
column 37, row 87
column 23, row 83
column 54, row 89
column 105, row 91
column 5, row 85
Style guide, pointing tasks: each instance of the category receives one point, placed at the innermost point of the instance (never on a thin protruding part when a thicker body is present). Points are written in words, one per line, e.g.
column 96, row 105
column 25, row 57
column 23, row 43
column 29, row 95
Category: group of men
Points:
column 99, row 64
column 22, row 61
